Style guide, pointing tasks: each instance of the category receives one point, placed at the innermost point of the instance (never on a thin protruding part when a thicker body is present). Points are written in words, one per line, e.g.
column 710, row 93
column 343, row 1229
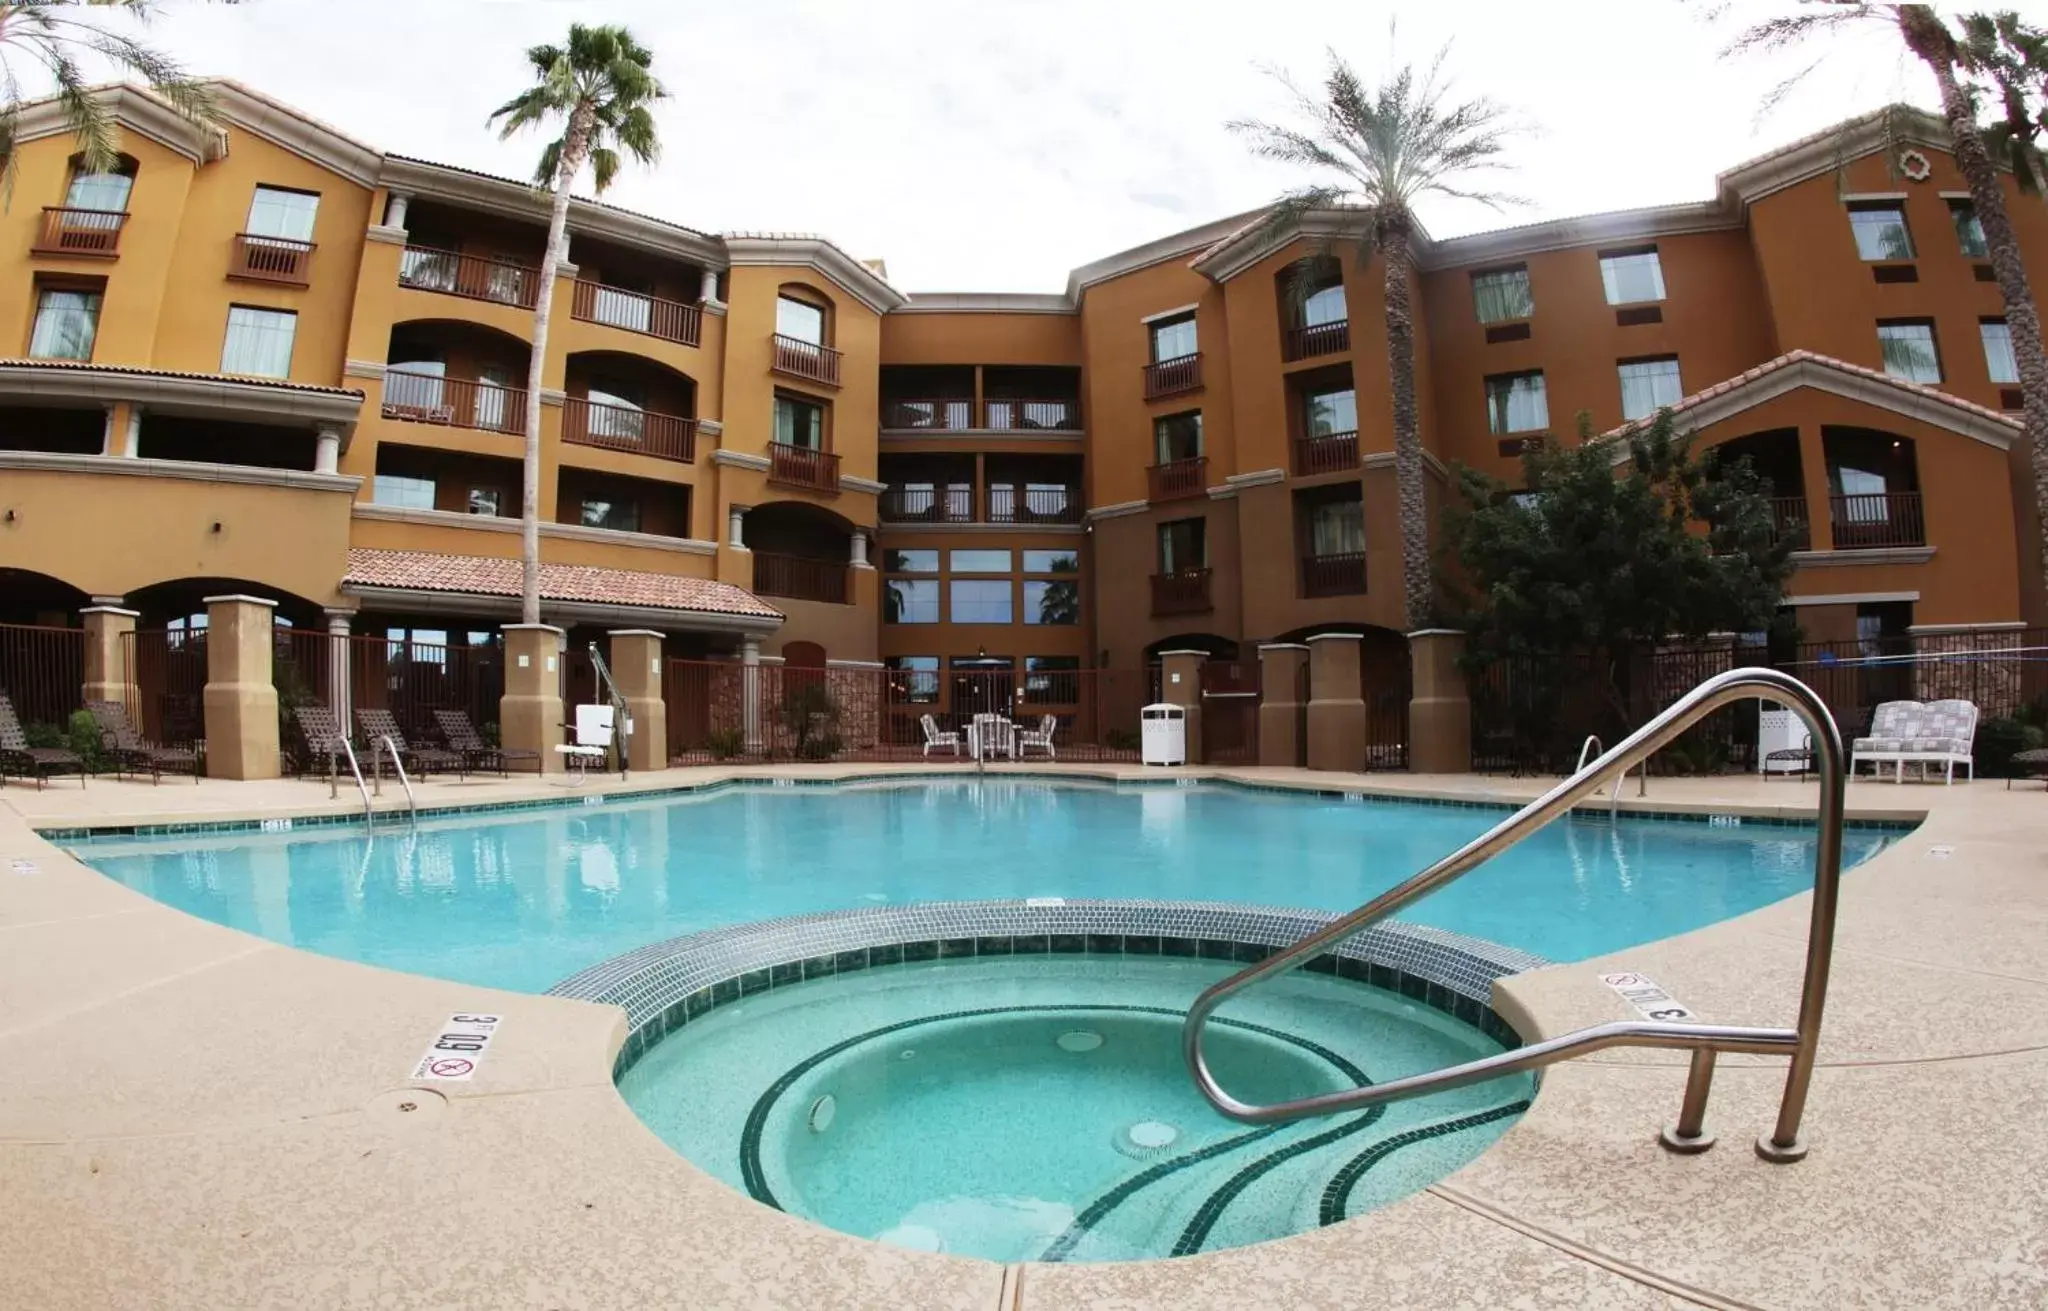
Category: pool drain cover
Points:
column 1151, row 1135
column 1079, row 1040
column 822, row 1112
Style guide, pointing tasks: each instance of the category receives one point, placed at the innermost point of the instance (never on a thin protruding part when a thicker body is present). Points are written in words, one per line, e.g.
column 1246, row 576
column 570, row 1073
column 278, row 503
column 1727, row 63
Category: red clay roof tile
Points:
column 430, row 571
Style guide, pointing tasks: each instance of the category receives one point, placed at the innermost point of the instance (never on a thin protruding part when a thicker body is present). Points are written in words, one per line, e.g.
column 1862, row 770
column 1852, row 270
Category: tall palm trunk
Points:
column 1392, row 230
column 1927, row 37
column 575, row 146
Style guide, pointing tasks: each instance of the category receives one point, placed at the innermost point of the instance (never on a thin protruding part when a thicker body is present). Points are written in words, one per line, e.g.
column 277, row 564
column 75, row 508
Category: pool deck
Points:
column 192, row 1117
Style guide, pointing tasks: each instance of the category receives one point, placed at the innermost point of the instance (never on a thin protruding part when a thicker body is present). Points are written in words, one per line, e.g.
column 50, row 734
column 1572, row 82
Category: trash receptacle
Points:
column 1163, row 735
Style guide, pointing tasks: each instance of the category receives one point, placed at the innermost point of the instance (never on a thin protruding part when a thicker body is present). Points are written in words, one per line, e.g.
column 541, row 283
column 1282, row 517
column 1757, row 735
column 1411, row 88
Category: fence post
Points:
column 340, row 693
column 1439, row 706
column 1336, row 711
column 750, row 692
column 240, row 698
column 1280, row 709
column 636, row 669
column 530, row 713
column 107, row 675
column 1180, row 684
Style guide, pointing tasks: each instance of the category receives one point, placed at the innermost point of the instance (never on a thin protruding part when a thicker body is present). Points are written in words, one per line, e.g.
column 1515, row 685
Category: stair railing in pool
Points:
column 369, row 811
column 1704, row 1041
column 386, row 744
column 1594, row 744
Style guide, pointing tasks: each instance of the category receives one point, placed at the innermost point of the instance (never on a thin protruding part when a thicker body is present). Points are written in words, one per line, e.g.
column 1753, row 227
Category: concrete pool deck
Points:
column 193, row 1117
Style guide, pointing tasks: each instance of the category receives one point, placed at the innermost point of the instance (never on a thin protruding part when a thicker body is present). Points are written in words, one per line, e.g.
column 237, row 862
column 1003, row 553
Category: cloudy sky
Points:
column 992, row 145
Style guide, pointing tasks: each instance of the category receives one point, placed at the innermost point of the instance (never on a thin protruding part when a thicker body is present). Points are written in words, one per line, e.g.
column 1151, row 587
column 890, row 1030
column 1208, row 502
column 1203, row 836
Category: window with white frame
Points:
column 259, row 342
column 1632, row 276
column 2003, row 365
column 1880, row 229
column 1648, row 386
column 404, row 492
column 67, row 320
column 1517, row 402
column 1909, row 350
column 1503, row 295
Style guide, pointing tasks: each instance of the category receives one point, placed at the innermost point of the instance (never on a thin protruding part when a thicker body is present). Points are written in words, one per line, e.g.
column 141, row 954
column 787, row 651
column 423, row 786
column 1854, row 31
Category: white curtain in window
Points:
column 1630, row 279
column 796, row 424
column 1909, row 351
column 1998, row 356
column 623, row 309
column 800, row 319
column 259, row 342
column 1648, row 386
column 1517, row 404
column 1172, row 341
column 1503, row 296
column 286, row 214
column 102, row 191
column 1337, row 528
column 415, row 384
column 66, row 322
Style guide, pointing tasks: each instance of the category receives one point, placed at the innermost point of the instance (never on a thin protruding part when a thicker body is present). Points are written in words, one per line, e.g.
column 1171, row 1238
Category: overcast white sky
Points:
column 992, row 145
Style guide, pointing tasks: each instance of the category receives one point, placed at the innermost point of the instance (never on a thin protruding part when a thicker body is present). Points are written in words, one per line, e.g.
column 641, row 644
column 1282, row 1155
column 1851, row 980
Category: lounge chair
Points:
column 129, row 749
column 935, row 738
column 2032, row 763
column 462, row 738
column 377, row 725
column 16, row 755
column 1026, row 739
column 1911, row 732
column 323, row 735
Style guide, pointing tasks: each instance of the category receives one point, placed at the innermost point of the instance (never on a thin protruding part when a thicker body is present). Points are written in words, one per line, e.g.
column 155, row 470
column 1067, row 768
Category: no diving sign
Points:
column 457, row 1049
column 1650, row 1001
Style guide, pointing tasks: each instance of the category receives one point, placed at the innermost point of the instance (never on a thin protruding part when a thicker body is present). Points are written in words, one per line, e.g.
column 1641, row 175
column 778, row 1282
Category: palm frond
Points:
column 599, row 82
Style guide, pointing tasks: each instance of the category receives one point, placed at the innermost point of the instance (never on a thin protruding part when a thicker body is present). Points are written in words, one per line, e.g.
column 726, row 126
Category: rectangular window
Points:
column 1517, row 402
column 799, row 319
column 259, row 342
column 1998, row 356
column 1336, row 528
column 1052, row 680
column 979, row 562
column 1173, row 339
column 799, row 423
column 1969, row 231
column 1503, row 295
column 1909, row 350
column 1052, row 601
column 913, row 680
column 1648, row 386
column 911, row 562
column 619, row 516
column 1177, row 437
column 405, row 493
column 1183, row 544
column 276, row 212
column 1051, row 562
column 67, row 320
column 1329, row 412
column 484, row 500
column 1881, row 231
column 981, row 601
column 1324, row 305
column 106, row 192
column 1632, row 276
column 910, row 601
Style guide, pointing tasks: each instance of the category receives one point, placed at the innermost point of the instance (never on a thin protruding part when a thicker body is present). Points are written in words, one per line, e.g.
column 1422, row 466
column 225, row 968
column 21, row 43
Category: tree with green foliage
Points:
column 600, row 86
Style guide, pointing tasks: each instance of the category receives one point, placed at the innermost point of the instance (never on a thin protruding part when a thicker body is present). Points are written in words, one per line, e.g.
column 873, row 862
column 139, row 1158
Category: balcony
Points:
column 926, row 503
column 1315, row 339
column 802, row 466
column 1335, row 452
column 956, row 414
column 622, row 428
column 81, row 233
column 454, row 403
column 1182, row 592
column 278, row 260
column 1178, row 480
column 1333, row 575
column 1024, row 415
column 1874, row 520
column 798, row 578
column 1041, row 504
column 805, row 359
column 429, row 268
column 1789, row 521
column 936, row 415
column 1174, row 376
column 615, row 307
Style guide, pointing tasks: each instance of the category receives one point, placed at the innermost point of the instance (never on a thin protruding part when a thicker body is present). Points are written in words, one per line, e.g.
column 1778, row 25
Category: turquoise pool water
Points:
column 526, row 899
column 1028, row 1109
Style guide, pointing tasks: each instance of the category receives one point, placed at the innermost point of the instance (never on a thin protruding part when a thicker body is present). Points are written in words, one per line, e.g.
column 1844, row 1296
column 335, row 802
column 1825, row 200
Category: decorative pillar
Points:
column 530, row 715
column 1281, row 739
column 636, row 670
column 750, row 692
column 1336, row 710
column 1180, row 684
column 736, row 525
column 859, row 558
column 1440, row 707
column 107, row 675
column 340, row 694
column 394, row 209
column 707, row 287
column 133, row 446
column 327, row 451
column 115, row 432
column 240, row 698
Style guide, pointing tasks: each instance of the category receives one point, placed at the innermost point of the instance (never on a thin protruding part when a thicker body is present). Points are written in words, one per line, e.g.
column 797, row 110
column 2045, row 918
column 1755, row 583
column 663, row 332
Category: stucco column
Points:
column 1439, row 706
column 530, row 712
column 1336, row 710
column 1180, row 684
column 707, row 287
column 106, row 654
column 394, row 209
column 132, row 445
column 115, row 431
column 240, row 698
column 340, row 695
column 1280, row 705
column 736, row 527
column 858, row 555
column 636, row 669
column 1813, row 476
column 750, row 692
column 327, row 450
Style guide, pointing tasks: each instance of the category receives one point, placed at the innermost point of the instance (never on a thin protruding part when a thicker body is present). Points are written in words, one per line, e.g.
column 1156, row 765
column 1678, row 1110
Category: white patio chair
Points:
column 934, row 737
column 593, row 744
column 1909, row 732
column 1042, row 738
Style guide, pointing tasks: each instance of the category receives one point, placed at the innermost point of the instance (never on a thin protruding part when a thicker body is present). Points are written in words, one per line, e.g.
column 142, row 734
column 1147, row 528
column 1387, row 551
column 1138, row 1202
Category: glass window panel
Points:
column 1183, row 544
column 1052, row 680
column 1517, row 403
column 1503, row 295
column 484, row 500
column 619, row 516
column 1052, row 602
column 799, row 423
column 1337, row 528
column 1909, row 351
column 911, row 562
column 1173, row 338
column 981, row 601
column 1052, row 562
column 799, row 319
column 1969, row 230
column 66, row 323
column 1325, row 305
column 406, row 493
column 1633, row 277
column 910, row 601
column 1648, row 386
column 259, row 342
column 1998, row 357
column 1330, row 412
column 279, row 213
column 101, row 191
column 1178, row 437
column 1881, row 232
column 980, row 562
column 914, row 680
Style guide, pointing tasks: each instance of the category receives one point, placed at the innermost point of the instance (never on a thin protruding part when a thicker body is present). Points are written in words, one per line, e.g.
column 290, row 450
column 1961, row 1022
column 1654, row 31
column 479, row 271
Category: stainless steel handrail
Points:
column 1687, row 1134
column 411, row 801
column 1642, row 773
column 369, row 811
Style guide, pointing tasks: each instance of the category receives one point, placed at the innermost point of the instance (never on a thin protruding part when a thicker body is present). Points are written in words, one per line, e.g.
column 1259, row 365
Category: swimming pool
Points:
column 524, row 899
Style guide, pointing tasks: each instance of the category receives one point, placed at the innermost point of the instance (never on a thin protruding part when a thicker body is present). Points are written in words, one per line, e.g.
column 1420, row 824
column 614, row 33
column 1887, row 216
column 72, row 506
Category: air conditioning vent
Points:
column 1895, row 272
column 1629, row 318
column 2012, row 398
column 1985, row 273
column 1507, row 332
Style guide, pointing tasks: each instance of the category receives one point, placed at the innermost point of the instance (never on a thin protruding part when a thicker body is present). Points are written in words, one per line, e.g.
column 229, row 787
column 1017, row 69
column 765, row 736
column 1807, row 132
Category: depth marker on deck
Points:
column 457, row 1049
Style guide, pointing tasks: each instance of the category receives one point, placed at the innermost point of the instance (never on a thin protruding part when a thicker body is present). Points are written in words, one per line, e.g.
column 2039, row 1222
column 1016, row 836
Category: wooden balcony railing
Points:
column 1333, row 575
column 670, row 320
column 1333, row 452
column 947, row 503
column 1171, row 377
column 1315, row 339
column 802, row 466
column 426, row 268
column 1182, row 592
column 1789, row 521
column 806, row 359
column 454, row 403
column 1877, row 519
column 799, row 578
column 1008, row 503
column 271, row 259
column 1178, row 479
column 1020, row 415
column 623, row 428
column 92, row 233
column 949, row 414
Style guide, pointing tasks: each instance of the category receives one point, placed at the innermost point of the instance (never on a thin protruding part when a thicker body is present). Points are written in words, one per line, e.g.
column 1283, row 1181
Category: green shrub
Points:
column 1120, row 739
column 84, row 733
column 1999, row 740
column 821, row 746
column 725, row 743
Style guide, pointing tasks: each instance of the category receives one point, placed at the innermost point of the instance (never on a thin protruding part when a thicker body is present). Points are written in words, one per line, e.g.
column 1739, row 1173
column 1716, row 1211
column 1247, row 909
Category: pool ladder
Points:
column 1688, row 1133
column 1594, row 744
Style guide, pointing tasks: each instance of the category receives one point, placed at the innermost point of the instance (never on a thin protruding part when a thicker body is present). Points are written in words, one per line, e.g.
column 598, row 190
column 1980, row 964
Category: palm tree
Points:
column 1953, row 63
column 601, row 85
column 1378, row 151
column 53, row 34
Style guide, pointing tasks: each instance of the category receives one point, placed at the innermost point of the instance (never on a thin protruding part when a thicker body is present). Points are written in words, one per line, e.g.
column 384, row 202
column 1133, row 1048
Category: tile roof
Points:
column 527, row 184
column 1791, row 358
column 87, row 366
column 430, row 571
